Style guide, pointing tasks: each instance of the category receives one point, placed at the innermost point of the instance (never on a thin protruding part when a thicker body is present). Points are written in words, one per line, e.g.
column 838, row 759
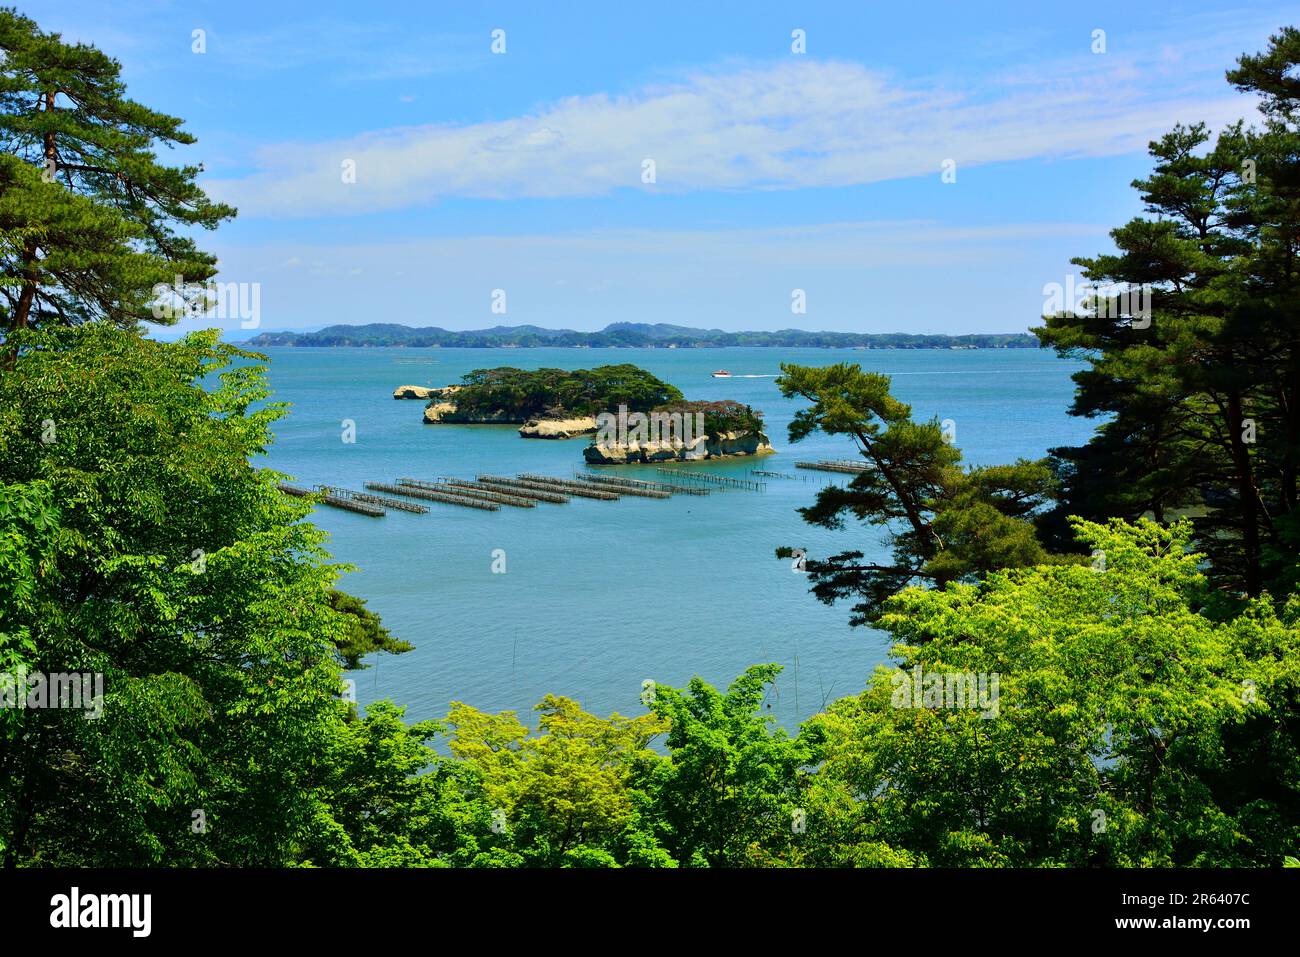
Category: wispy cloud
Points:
column 345, row 51
column 338, row 50
column 792, row 124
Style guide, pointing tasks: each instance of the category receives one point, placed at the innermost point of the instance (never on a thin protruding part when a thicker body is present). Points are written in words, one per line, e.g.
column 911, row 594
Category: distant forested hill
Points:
column 630, row 334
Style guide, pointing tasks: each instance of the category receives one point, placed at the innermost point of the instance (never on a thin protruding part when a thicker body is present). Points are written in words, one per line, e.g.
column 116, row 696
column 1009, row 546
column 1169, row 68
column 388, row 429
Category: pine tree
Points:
column 102, row 221
column 1202, row 396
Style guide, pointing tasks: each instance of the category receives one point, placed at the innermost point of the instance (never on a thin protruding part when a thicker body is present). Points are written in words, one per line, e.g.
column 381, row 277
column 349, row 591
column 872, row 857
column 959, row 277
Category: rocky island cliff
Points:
column 414, row 392
column 682, row 431
column 720, row 446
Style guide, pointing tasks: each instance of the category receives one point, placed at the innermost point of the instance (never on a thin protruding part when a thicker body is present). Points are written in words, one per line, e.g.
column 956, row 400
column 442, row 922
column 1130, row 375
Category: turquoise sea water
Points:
column 599, row 596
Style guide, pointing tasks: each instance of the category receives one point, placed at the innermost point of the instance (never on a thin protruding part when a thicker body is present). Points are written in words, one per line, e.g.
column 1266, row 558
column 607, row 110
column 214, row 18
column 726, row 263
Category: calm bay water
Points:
column 599, row 596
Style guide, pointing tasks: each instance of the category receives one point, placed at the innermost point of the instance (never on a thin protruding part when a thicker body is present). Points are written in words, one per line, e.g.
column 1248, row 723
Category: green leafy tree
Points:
column 731, row 792
column 139, row 543
column 389, row 804
column 565, row 791
column 1126, row 727
column 942, row 523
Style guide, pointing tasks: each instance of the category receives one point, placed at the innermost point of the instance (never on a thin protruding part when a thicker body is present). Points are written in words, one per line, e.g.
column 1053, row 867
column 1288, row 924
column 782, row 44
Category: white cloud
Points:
column 792, row 124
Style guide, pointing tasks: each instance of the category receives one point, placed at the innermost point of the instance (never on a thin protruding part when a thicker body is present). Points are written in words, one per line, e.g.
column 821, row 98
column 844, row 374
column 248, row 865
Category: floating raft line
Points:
column 380, row 500
column 571, row 487
column 337, row 501
column 548, row 486
column 578, row 486
column 636, row 490
column 432, row 496
column 452, row 489
column 837, row 466
column 510, row 491
column 722, row 480
column 363, row 508
column 619, row 481
column 784, row 475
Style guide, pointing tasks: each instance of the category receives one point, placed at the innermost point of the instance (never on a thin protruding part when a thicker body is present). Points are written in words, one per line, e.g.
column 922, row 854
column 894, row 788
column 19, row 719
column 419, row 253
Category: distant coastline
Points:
column 631, row 336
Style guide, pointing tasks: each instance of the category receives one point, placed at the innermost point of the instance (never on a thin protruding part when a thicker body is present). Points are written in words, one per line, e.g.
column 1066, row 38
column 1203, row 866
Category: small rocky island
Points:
column 545, row 403
column 681, row 431
column 634, row 416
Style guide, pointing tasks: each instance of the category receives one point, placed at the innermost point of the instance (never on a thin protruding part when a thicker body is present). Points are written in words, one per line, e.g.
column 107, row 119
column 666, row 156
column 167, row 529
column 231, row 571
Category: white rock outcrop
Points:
column 557, row 428
column 414, row 392
column 720, row 446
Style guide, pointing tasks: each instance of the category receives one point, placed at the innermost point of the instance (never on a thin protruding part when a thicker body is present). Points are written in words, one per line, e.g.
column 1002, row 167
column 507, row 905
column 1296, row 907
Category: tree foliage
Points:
column 149, row 550
column 365, row 633
column 1131, row 729
column 942, row 523
column 720, row 416
column 1201, row 398
column 90, row 219
column 556, row 392
column 566, row 791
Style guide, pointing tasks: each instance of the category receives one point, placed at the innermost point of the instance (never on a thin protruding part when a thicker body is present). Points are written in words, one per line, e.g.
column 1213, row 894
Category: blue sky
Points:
column 774, row 170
